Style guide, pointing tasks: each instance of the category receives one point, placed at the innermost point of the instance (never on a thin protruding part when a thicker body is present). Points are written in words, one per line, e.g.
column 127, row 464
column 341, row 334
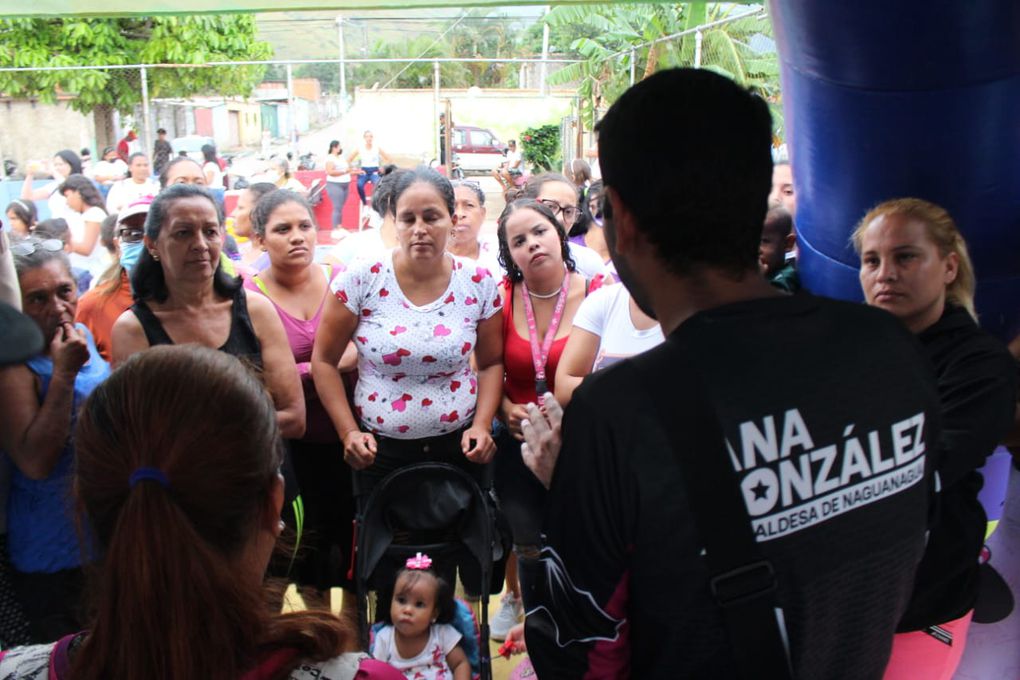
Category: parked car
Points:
column 191, row 145
column 477, row 149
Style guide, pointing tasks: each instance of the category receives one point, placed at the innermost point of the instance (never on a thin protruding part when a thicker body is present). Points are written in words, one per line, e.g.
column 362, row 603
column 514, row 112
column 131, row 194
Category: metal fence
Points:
column 265, row 108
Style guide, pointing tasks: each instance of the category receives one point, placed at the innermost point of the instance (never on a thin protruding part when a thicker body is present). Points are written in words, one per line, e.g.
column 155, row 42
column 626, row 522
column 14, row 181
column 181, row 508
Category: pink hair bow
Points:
column 419, row 561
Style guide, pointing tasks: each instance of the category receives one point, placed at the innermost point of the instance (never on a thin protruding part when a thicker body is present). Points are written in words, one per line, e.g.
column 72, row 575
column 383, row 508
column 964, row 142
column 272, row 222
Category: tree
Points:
column 614, row 35
column 122, row 41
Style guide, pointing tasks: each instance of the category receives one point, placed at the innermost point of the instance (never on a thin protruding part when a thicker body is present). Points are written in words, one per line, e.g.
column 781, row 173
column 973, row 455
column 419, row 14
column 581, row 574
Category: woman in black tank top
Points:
column 182, row 295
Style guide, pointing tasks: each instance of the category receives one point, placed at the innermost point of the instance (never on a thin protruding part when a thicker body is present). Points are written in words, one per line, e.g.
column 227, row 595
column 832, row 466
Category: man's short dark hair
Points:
column 689, row 153
column 161, row 131
column 779, row 220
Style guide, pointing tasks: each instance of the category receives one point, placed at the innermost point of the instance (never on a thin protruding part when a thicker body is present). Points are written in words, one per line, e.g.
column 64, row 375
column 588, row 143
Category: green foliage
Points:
column 149, row 40
column 540, row 146
column 613, row 39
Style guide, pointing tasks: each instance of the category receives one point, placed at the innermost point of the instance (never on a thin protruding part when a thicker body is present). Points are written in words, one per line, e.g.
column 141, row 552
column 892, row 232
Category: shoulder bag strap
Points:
column 742, row 582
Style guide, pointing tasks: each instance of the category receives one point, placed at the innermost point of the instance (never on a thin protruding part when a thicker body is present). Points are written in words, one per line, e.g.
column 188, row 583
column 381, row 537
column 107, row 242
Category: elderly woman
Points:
column 39, row 401
column 184, row 519
column 465, row 238
column 183, row 296
column 417, row 314
column 915, row 265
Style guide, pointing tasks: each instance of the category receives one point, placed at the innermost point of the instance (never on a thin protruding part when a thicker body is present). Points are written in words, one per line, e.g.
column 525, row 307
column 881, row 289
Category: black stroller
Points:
column 431, row 508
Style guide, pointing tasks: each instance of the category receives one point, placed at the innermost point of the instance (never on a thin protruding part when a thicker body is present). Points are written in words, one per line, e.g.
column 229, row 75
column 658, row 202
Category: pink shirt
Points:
column 301, row 336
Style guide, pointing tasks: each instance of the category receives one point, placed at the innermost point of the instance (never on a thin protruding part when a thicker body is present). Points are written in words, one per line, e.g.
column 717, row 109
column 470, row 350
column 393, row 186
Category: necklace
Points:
column 544, row 296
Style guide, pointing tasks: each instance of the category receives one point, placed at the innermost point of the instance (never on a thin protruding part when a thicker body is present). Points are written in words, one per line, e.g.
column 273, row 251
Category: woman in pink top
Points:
column 283, row 226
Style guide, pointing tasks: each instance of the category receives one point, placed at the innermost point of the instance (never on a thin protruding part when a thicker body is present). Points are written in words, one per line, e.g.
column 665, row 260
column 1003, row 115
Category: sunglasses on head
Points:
column 26, row 248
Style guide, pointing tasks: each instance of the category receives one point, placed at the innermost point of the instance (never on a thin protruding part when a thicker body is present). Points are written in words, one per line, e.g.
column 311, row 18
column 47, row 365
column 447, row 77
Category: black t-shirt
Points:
column 828, row 409
column 977, row 387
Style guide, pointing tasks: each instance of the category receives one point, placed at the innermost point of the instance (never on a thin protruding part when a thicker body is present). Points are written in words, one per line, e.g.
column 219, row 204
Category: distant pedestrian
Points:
column 161, row 151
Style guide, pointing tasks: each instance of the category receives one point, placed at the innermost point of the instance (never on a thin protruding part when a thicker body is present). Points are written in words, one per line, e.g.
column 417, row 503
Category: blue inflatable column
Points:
column 912, row 98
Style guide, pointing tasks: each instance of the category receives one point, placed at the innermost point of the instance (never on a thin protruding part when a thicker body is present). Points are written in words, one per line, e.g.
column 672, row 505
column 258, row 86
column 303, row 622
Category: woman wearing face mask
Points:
column 100, row 308
column 39, row 400
column 914, row 264
column 64, row 164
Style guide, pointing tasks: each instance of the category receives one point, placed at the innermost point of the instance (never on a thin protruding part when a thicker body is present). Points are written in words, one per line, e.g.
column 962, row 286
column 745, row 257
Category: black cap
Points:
column 20, row 337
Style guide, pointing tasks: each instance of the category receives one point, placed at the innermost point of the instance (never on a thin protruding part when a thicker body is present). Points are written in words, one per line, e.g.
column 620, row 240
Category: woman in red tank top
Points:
column 541, row 294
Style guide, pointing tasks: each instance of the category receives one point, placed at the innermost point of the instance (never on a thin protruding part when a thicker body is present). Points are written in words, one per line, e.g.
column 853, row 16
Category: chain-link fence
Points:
column 255, row 110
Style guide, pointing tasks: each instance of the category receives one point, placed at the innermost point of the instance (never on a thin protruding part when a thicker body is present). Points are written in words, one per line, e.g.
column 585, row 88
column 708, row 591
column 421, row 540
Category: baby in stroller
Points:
column 418, row 639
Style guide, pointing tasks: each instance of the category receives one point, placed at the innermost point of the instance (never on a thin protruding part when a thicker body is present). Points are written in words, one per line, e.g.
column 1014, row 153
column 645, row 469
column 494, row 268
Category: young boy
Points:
column 777, row 239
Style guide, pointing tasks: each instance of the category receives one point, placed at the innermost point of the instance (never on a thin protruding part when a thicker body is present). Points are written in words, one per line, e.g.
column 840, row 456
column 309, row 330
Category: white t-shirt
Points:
column 606, row 313
column 513, row 160
column 127, row 191
column 109, row 171
column 339, row 163
column 98, row 260
column 363, row 244
column 589, row 264
column 430, row 664
column 414, row 372
column 217, row 179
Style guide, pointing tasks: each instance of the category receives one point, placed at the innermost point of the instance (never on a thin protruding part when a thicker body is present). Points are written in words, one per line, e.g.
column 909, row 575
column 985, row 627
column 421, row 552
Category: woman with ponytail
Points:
column 178, row 487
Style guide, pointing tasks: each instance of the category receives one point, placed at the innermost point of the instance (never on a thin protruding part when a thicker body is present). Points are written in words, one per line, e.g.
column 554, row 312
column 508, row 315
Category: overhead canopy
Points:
column 67, row 8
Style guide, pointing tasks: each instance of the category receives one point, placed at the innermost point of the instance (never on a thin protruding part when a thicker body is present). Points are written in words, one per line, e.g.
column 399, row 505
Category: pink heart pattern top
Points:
column 414, row 373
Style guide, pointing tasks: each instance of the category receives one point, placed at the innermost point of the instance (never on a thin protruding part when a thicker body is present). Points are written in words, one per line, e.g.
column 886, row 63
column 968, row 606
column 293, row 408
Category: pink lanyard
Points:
column 540, row 355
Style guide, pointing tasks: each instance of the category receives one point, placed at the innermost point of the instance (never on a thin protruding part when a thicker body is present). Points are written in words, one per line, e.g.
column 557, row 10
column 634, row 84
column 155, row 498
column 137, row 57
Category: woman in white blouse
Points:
column 416, row 314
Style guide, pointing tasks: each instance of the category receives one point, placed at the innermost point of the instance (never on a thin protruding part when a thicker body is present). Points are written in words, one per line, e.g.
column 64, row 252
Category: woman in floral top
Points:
column 416, row 315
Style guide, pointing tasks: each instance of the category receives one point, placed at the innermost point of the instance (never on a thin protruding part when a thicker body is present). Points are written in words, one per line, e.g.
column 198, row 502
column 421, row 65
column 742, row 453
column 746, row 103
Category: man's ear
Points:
column 790, row 242
column 622, row 220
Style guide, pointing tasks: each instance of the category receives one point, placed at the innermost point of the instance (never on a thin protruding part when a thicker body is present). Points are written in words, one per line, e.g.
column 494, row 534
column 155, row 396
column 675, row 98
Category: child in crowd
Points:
column 778, row 239
column 418, row 639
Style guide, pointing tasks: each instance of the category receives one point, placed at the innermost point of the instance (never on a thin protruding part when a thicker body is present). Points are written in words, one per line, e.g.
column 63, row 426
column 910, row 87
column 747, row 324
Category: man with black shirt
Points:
column 828, row 450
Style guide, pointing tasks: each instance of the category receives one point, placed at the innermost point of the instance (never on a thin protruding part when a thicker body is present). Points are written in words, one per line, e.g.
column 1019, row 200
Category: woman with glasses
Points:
column 38, row 404
column 100, row 308
column 560, row 196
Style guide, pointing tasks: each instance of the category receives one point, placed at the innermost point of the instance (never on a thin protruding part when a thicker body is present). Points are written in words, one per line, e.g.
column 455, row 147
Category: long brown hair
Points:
column 169, row 602
column 943, row 232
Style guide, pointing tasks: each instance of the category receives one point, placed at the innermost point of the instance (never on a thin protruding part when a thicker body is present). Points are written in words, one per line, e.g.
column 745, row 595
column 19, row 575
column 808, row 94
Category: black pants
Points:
column 521, row 496
column 324, row 555
column 51, row 602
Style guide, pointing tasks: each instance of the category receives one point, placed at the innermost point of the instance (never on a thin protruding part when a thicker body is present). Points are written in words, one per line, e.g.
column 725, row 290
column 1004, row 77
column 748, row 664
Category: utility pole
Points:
column 343, row 70
column 545, row 55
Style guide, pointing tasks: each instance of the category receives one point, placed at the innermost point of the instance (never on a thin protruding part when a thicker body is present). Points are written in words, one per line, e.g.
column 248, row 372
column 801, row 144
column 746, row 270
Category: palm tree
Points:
column 741, row 49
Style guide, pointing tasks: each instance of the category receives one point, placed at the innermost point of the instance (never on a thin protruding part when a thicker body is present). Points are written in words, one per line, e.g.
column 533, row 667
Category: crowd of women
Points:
column 423, row 340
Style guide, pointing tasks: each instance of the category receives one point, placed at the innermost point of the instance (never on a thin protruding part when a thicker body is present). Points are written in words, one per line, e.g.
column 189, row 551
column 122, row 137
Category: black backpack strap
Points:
column 742, row 582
